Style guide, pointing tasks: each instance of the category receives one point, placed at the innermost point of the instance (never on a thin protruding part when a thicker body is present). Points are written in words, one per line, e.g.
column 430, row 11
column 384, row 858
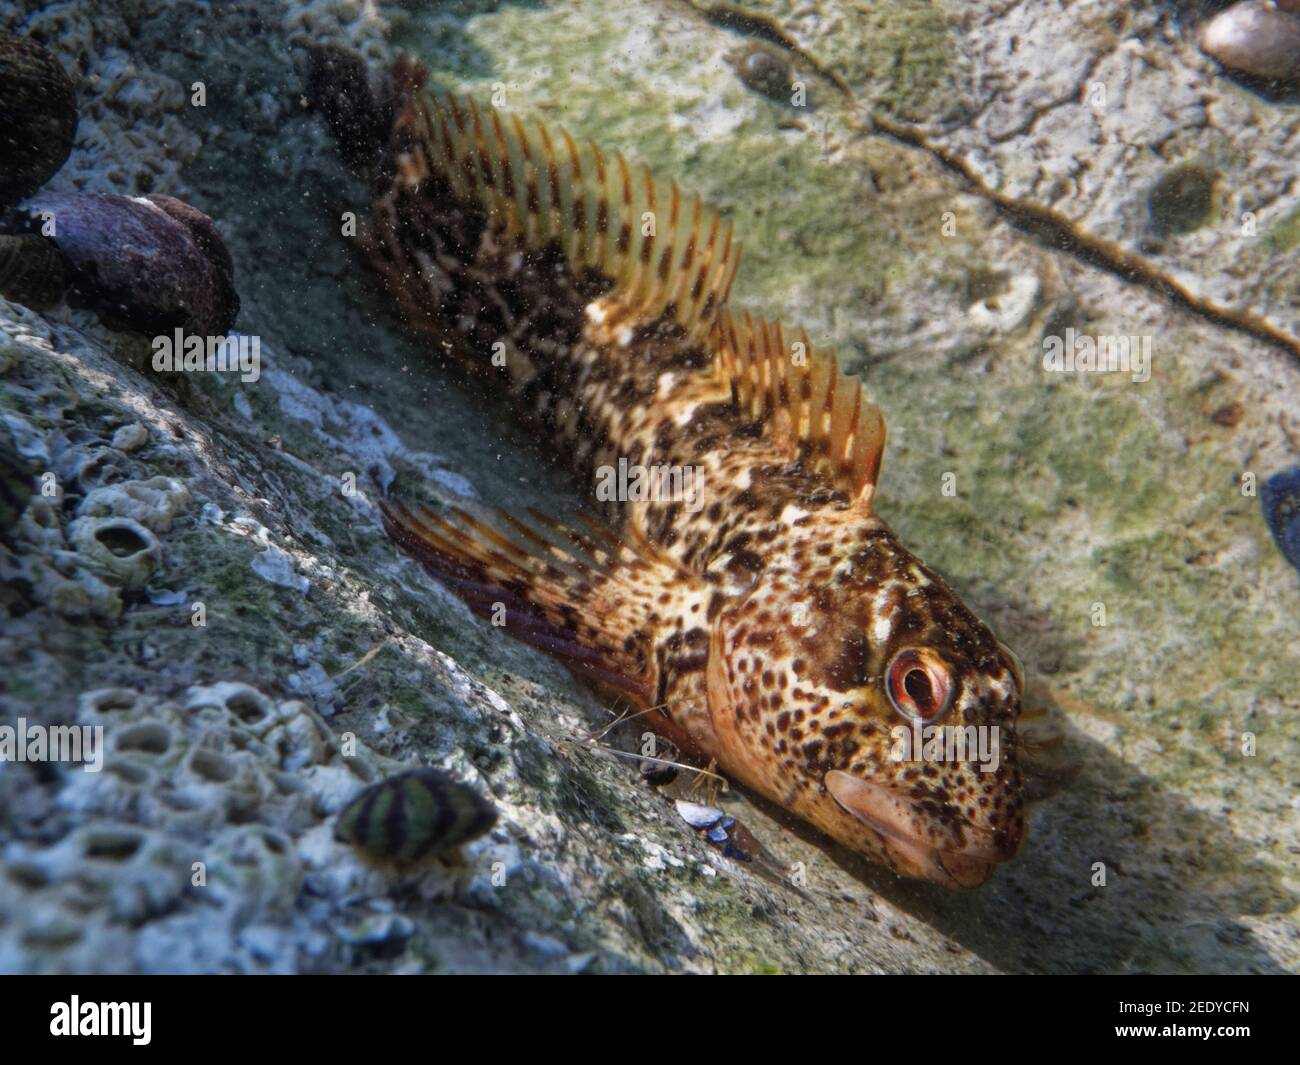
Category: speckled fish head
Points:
column 865, row 694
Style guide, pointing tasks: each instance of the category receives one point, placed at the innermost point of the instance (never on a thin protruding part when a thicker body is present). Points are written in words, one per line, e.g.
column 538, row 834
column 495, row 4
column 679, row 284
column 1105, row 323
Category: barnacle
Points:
column 120, row 549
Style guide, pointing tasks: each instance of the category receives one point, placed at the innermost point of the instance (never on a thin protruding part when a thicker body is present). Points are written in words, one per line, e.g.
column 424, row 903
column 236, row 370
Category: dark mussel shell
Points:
column 151, row 265
column 38, row 117
column 31, row 271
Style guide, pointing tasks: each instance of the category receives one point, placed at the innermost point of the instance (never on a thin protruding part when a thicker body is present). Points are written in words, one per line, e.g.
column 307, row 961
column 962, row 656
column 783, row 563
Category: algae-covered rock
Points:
column 198, row 569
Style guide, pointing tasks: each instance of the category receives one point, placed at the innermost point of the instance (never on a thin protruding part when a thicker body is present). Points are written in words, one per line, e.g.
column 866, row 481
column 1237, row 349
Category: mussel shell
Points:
column 31, row 271
column 17, row 476
column 38, row 117
column 1256, row 38
column 149, row 266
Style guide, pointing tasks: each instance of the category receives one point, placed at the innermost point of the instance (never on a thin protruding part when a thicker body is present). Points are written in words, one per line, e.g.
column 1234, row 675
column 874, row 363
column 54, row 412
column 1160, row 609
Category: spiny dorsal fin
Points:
column 548, row 187
column 799, row 395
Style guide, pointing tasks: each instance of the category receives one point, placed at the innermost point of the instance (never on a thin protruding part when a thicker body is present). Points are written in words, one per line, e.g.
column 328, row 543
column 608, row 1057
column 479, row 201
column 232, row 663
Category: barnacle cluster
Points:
column 203, row 797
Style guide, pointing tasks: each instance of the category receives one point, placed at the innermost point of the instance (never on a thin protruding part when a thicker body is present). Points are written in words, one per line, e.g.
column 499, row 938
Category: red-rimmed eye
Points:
column 919, row 684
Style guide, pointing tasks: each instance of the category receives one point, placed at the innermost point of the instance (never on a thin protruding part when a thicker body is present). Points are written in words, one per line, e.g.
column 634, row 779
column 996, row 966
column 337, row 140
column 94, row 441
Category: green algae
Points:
column 1286, row 234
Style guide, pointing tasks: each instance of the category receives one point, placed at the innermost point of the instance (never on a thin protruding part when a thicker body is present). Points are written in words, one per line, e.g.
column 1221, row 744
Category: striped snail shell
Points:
column 413, row 816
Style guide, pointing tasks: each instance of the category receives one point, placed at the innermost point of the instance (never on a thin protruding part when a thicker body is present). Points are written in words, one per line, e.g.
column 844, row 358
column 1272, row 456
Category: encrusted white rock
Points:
column 153, row 503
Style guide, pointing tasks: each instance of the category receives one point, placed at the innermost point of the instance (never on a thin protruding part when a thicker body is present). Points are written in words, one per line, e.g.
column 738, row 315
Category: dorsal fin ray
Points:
column 801, row 398
column 546, row 187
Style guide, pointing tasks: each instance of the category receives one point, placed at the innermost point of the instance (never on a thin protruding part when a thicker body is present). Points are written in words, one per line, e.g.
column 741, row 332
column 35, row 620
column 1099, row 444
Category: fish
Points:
column 750, row 601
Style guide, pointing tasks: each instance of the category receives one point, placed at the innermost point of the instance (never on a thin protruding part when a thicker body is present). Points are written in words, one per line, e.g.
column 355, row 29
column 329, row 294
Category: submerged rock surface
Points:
column 207, row 579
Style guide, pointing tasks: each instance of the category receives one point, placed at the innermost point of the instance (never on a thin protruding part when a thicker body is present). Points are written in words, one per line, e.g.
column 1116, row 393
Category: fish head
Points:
column 860, row 691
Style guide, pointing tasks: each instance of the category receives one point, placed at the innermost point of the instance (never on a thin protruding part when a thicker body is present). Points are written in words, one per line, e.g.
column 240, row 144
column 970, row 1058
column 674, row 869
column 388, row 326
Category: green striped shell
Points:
column 413, row 816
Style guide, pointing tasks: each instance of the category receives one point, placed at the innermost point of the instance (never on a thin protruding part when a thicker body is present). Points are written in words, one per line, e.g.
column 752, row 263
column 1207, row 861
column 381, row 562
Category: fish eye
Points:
column 919, row 684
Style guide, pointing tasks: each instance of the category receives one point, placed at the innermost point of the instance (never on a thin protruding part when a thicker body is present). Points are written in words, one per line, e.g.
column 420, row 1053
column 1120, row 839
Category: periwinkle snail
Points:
column 411, row 818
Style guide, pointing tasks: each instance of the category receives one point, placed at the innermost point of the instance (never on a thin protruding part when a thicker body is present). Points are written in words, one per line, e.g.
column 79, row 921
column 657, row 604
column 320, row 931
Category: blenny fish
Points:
column 777, row 627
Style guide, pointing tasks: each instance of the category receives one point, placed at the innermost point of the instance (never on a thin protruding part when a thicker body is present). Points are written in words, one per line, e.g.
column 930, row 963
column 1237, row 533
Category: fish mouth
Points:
column 902, row 825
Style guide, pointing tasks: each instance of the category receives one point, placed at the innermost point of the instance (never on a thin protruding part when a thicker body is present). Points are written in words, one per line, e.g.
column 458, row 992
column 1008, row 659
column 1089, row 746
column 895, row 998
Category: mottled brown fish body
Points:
column 770, row 619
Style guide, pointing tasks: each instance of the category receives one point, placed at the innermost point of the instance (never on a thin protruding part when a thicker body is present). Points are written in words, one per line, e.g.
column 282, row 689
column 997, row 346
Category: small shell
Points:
column 1279, row 498
column 654, row 769
column 38, row 117
column 697, row 815
column 1256, row 37
column 414, row 816
column 765, row 71
column 31, row 271
column 152, row 265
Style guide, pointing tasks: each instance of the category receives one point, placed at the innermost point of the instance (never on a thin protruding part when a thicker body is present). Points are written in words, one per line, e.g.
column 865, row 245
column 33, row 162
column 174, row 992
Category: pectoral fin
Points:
column 598, row 603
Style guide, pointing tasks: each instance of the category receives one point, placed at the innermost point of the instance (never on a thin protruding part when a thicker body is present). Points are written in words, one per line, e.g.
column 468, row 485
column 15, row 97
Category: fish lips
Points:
column 900, row 822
